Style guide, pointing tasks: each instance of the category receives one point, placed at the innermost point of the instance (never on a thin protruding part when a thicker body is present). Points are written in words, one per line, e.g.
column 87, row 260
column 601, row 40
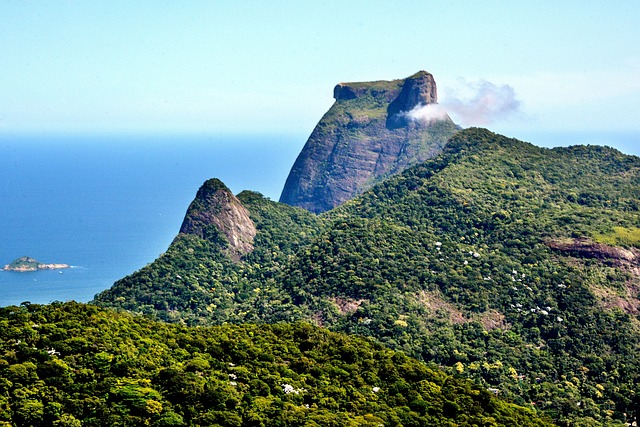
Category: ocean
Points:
column 108, row 205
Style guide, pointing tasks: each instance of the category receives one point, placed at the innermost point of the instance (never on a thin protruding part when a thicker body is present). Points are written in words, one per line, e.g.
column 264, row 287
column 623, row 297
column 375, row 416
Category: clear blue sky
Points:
column 258, row 66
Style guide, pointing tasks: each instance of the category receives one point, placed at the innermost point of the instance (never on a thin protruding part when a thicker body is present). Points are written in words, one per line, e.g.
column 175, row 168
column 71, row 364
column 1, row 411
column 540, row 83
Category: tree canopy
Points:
column 75, row 364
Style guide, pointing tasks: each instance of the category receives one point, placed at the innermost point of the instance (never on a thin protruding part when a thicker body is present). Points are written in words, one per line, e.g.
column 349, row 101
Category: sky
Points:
column 252, row 67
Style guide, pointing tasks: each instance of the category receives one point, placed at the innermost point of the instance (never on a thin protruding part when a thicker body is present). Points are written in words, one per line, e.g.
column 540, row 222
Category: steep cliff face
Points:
column 365, row 136
column 215, row 213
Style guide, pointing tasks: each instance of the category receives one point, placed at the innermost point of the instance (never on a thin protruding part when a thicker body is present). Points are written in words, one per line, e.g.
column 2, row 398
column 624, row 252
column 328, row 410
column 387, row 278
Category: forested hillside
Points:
column 78, row 365
column 512, row 265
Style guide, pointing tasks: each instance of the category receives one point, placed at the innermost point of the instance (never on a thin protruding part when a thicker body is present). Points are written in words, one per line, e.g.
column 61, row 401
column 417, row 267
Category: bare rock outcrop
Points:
column 216, row 212
column 587, row 248
column 626, row 298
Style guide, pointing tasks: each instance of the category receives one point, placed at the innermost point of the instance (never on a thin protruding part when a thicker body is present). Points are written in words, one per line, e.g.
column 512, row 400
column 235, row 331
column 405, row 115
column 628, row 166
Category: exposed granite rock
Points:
column 417, row 90
column 217, row 212
column 365, row 137
column 344, row 92
column 626, row 298
column 587, row 248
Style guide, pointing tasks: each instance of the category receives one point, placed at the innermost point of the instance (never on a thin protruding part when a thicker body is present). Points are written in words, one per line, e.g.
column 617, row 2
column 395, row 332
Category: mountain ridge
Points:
column 451, row 262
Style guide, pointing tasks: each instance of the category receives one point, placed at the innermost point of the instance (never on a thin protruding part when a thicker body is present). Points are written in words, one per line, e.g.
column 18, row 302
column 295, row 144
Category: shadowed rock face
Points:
column 216, row 211
column 365, row 137
column 419, row 89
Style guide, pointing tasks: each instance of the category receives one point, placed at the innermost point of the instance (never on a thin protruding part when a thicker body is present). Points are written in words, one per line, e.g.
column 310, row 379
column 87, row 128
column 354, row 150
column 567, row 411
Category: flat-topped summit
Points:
column 367, row 135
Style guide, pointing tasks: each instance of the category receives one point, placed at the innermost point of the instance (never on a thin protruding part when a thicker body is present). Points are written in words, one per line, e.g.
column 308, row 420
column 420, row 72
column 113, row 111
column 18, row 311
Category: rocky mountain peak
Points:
column 364, row 137
column 216, row 212
column 417, row 90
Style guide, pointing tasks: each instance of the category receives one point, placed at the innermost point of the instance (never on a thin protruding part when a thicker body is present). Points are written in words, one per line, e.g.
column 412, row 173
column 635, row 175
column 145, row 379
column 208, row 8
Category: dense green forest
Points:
column 70, row 364
column 499, row 261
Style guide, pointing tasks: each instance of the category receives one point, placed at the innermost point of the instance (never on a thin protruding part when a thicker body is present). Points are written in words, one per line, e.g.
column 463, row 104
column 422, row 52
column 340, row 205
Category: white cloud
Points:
column 604, row 99
column 478, row 103
column 426, row 113
column 481, row 103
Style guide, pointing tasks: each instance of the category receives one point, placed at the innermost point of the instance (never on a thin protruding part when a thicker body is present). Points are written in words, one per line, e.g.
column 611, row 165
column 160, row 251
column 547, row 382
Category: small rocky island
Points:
column 26, row 263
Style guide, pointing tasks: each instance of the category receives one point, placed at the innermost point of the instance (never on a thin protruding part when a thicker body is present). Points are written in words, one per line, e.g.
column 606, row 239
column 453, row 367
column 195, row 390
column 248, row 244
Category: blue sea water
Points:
column 108, row 205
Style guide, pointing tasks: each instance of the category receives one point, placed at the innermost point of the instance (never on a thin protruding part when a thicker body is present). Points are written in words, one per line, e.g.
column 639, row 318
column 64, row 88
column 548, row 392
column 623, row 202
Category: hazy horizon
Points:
column 250, row 67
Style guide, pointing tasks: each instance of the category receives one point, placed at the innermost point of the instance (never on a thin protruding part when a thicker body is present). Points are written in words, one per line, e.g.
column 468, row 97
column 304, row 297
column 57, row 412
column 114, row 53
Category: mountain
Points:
column 509, row 264
column 215, row 214
column 75, row 364
column 368, row 134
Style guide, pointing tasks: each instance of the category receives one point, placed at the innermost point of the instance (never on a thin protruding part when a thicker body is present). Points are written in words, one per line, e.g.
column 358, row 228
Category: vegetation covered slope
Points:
column 73, row 364
column 503, row 262
column 196, row 282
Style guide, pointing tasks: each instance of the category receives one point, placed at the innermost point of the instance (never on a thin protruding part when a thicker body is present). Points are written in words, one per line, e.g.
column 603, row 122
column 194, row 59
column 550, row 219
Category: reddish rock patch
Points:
column 587, row 248
column 347, row 305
